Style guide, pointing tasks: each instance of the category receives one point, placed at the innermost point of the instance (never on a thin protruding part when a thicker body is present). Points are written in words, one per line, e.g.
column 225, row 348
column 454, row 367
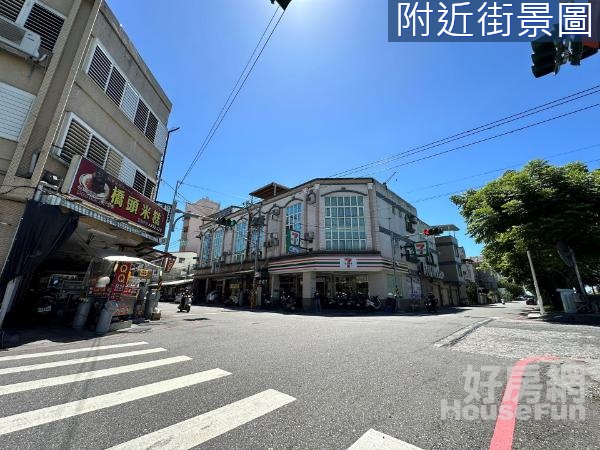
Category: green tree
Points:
column 513, row 289
column 533, row 209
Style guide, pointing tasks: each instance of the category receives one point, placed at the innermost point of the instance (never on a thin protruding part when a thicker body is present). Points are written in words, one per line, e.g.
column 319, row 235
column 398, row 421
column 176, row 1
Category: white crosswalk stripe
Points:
column 84, row 376
column 71, row 362
column 37, row 417
column 374, row 440
column 182, row 435
column 199, row 429
column 69, row 351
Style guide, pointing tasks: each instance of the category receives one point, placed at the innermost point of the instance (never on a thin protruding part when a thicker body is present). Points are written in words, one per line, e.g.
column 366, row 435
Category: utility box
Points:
column 569, row 298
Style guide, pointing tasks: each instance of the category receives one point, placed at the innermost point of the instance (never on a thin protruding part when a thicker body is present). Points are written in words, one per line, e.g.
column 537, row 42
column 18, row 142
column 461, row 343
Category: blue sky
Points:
column 331, row 93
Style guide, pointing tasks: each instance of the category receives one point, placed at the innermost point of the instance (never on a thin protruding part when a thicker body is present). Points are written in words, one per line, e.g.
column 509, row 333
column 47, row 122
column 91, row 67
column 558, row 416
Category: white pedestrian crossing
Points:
column 71, row 362
column 182, row 435
column 69, row 351
column 199, row 429
column 37, row 417
column 84, row 376
column 375, row 440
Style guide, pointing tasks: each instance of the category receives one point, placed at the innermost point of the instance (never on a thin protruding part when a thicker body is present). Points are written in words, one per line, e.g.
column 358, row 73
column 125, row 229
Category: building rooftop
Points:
column 269, row 191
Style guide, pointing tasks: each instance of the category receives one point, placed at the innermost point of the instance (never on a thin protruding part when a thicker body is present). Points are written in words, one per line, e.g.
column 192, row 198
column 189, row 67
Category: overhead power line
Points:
column 470, row 144
column 241, row 81
column 486, row 127
column 473, row 187
column 556, row 155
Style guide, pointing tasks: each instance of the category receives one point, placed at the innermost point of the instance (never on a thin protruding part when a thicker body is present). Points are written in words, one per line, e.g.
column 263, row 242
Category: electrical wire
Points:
column 469, row 188
column 497, row 123
column 498, row 170
column 515, row 130
column 232, row 97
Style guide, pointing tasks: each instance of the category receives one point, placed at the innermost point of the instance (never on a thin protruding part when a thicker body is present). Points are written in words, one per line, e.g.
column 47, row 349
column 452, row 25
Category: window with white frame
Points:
column 293, row 217
column 35, row 16
column 218, row 244
column 239, row 243
column 15, row 106
column 206, row 249
column 81, row 139
column 120, row 90
column 345, row 223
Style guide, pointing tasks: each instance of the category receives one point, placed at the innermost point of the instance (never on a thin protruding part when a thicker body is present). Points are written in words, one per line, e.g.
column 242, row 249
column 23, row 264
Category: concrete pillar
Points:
column 377, row 284
column 309, row 286
column 275, row 292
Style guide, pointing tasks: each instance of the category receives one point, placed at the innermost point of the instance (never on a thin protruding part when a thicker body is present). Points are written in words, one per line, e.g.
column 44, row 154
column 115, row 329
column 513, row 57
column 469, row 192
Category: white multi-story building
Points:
column 326, row 235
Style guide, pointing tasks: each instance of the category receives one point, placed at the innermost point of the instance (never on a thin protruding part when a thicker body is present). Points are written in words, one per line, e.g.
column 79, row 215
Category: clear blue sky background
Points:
column 330, row 93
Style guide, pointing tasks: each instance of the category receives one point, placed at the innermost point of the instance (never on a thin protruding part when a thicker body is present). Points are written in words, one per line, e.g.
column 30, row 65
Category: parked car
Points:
column 530, row 301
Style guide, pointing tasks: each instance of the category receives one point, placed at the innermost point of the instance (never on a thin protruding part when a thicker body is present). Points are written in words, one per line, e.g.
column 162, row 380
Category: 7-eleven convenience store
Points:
column 366, row 274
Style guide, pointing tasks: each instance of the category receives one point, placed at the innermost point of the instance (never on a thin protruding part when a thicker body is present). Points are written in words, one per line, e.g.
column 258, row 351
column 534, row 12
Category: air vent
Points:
column 116, row 86
column 141, row 116
column 97, row 151
column 76, row 141
column 45, row 23
column 11, row 8
column 100, row 68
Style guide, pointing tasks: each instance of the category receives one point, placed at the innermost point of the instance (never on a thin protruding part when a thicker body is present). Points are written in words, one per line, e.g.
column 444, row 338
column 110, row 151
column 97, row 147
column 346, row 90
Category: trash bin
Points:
column 106, row 317
column 568, row 298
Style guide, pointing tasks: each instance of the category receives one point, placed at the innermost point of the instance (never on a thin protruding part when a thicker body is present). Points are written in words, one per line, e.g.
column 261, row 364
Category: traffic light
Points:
column 581, row 50
column 283, row 3
column 227, row 223
column 432, row 231
column 547, row 55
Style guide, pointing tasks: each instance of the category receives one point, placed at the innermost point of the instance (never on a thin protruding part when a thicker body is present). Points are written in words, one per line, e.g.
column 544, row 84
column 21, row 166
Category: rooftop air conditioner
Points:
column 19, row 38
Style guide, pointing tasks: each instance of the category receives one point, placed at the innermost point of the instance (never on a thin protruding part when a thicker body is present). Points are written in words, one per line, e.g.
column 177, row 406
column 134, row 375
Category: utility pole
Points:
column 164, row 156
column 259, row 223
column 393, row 240
column 535, row 283
column 581, row 286
column 172, row 216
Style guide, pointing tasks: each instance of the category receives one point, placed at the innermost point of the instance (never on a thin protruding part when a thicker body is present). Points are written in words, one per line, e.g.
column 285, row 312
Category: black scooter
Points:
column 430, row 305
column 185, row 304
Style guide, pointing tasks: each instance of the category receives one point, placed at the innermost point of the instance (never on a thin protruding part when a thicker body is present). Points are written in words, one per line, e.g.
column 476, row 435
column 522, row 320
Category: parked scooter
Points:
column 288, row 302
column 373, row 303
column 431, row 304
column 185, row 304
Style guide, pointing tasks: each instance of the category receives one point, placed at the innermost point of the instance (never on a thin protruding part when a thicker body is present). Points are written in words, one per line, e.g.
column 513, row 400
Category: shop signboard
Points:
column 414, row 288
column 348, row 263
column 169, row 262
column 120, row 281
column 421, row 248
column 293, row 241
column 94, row 185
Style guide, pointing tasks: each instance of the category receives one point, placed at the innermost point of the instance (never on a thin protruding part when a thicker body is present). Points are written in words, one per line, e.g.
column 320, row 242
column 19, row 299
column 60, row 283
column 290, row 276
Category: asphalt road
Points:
column 219, row 378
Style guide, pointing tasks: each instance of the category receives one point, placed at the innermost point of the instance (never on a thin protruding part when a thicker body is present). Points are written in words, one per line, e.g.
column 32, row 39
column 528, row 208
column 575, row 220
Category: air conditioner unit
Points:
column 309, row 236
column 19, row 38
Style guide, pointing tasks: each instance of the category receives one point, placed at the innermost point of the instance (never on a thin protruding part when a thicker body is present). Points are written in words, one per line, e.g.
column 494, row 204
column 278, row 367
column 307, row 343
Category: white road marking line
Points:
column 199, row 429
column 70, row 362
column 84, row 376
column 374, row 440
column 69, row 351
column 30, row 419
column 458, row 335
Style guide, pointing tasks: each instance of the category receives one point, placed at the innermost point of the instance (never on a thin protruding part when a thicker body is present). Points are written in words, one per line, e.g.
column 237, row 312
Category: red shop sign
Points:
column 94, row 185
column 120, row 281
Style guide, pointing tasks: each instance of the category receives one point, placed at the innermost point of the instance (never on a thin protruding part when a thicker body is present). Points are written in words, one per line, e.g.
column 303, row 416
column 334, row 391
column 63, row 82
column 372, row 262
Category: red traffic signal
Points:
column 432, row 231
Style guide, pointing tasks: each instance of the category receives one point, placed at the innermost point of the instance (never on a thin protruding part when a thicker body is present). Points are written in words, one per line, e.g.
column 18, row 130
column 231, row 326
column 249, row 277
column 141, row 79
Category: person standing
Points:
column 317, row 301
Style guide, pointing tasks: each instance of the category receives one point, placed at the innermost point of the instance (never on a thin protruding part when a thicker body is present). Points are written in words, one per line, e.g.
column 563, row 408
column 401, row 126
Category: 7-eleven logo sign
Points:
column 421, row 248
